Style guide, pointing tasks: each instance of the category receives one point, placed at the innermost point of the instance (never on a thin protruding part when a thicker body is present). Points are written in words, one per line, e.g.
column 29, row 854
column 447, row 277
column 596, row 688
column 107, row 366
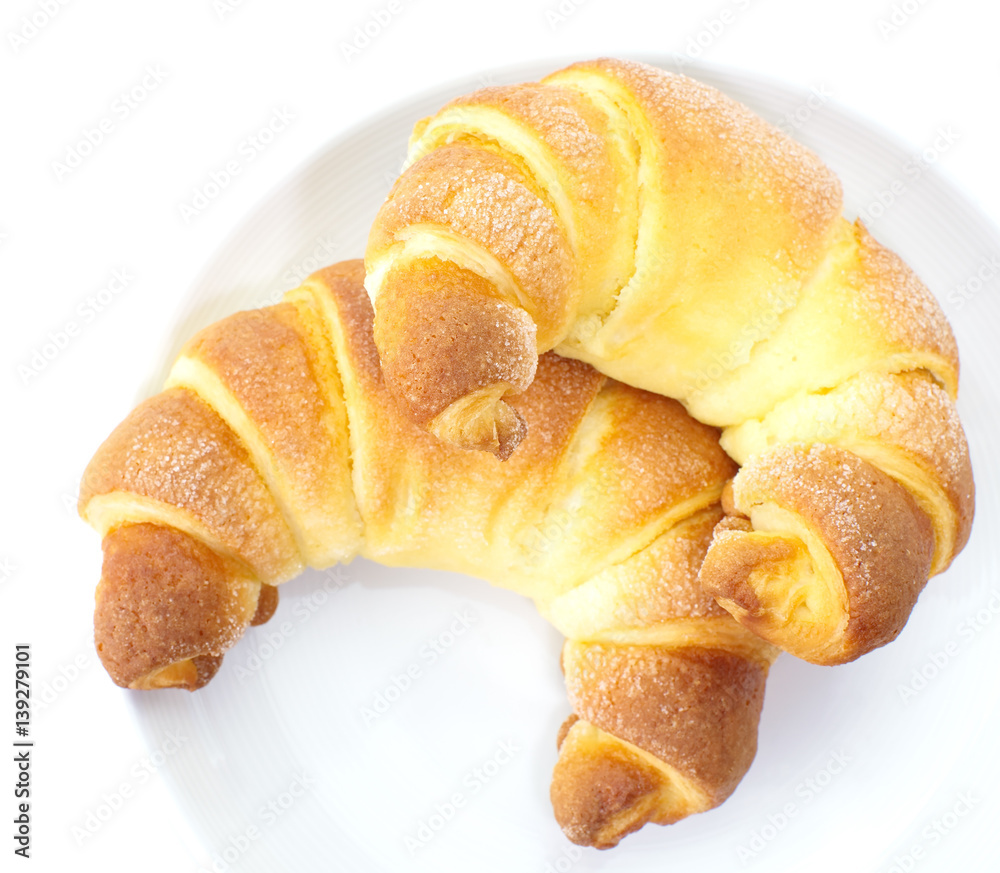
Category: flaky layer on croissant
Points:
column 647, row 224
column 276, row 446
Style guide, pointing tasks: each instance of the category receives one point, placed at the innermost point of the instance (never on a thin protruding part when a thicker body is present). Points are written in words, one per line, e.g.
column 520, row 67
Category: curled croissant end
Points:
column 168, row 607
column 189, row 673
column 604, row 789
column 826, row 556
column 451, row 352
column 481, row 420
column 661, row 733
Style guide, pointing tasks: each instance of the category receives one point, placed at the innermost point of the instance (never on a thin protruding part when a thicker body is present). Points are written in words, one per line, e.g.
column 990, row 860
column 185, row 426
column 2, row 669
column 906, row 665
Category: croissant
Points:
column 275, row 446
column 650, row 226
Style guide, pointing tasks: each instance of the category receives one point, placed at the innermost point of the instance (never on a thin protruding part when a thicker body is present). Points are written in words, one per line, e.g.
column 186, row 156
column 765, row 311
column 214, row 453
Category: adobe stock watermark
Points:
column 543, row 537
column 561, row 12
column 913, row 169
column 389, row 178
column 568, row 858
column 647, row 267
column 797, row 118
column 323, row 254
column 711, row 31
column 32, row 24
column 249, row 149
column 805, row 792
column 225, row 8
column 737, row 354
column 487, row 79
column 69, row 499
column 472, row 783
column 429, row 653
column 267, row 815
column 62, row 680
column 987, row 270
column 934, row 833
column 120, row 110
column 8, row 569
column 375, row 24
column 935, row 663
column 64, row 335
column 111, row 803
column 898, row 17
column 275, row 638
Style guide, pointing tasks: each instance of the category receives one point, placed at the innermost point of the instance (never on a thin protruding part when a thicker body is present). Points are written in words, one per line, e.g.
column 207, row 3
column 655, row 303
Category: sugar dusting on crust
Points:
column 175, row 449
column 554, row 405
column 558, row 117
column 262, row 358
column 800, row 476
column 163, row 598
column 480, row 196
column 695, row 710
column 603, row 789
column 911, row 414
column 685, row 112
column 670, row 588
column 661, row 454
column 880, row 540
column 905, row 307
column 431, row 313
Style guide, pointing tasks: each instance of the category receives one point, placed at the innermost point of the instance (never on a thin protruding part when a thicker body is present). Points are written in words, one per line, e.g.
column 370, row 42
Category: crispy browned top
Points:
column 164, row 597
column 583, row 167
column 236, row 349
column 663, row 579
column 484, row 198
column 262, row 356
column 878, row 537
column 561, row 120
column 602, row 790
column 696, row 710
column 429, row 313
column 280, row 373
column 648, row 448
column 175, row 449
column 905, row 308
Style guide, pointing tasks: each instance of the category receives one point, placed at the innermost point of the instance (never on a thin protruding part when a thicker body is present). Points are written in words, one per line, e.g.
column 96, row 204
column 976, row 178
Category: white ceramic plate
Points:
column 358, row 730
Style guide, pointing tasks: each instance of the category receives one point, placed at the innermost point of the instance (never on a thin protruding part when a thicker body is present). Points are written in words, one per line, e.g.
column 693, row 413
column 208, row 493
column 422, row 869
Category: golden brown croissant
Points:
column 647, row 224
column 275, row 446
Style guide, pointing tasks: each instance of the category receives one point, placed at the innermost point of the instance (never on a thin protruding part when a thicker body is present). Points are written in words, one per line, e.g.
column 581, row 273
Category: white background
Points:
column 924, row 72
